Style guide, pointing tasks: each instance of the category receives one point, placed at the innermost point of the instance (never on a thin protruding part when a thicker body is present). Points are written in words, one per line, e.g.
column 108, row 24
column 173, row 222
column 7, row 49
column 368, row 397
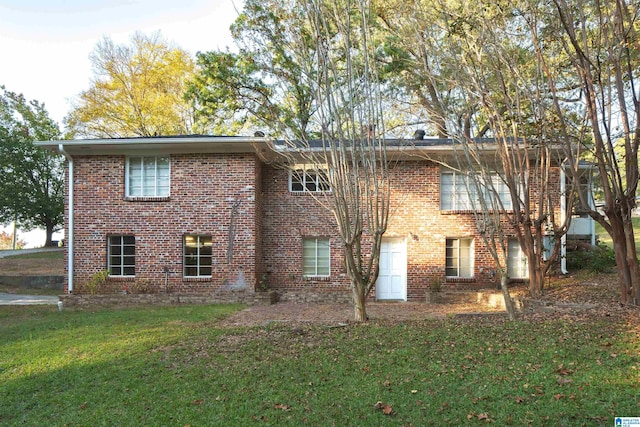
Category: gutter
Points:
column 563, row 217
column 70, row 221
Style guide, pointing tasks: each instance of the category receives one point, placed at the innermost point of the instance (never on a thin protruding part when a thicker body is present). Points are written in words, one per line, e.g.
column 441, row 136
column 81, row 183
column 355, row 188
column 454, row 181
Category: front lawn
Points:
column 177, row 366
column 604, row 237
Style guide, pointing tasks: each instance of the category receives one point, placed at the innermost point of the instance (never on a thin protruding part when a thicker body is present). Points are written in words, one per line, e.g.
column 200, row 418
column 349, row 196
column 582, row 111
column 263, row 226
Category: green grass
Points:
column 604, row 237
column 47, row 254
column 176, row 366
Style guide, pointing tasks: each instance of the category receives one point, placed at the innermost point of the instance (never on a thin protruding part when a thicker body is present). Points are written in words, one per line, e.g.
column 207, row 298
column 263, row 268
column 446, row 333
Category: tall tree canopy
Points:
column 31, row 179
column 265, row 85
column 137, row 90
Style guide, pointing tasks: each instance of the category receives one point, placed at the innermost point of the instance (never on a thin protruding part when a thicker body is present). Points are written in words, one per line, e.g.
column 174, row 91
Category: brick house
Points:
column 197, row 214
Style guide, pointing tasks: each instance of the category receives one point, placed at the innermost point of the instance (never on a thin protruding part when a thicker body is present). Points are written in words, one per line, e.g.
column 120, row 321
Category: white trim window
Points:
column 316, row 257
column 148, row 176
column 197, row 255
column 121, row 259
column 459, row 258
column 517, row 262
column 308, row 179
column 458, row 191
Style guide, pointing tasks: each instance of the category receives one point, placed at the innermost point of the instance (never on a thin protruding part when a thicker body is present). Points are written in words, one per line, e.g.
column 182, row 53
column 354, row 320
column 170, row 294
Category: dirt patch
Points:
column 595, row 296
column 32, row 265
column 336, row 314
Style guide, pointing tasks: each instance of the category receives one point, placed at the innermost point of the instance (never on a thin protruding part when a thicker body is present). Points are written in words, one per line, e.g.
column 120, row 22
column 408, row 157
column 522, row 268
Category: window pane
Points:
column 297, row 177
column 323, row 181
column 446, row 191
column 197, row 255
column 149, row 176
column 309, row 180
column 316, row 257
column 121, row 253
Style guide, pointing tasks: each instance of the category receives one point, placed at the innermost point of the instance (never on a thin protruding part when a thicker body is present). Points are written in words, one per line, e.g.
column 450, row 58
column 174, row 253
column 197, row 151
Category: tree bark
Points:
column 49, row 229
column 508, row 302
column 359, row 303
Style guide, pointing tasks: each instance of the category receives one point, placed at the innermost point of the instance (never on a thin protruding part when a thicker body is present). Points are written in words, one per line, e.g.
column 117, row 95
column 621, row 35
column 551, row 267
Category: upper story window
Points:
column 308, row 178
column 459, row 192
column 148, row 176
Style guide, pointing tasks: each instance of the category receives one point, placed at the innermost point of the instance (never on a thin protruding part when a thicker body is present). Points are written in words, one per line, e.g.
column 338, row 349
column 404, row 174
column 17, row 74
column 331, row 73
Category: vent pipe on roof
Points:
column 258, row 134
column 419, row 134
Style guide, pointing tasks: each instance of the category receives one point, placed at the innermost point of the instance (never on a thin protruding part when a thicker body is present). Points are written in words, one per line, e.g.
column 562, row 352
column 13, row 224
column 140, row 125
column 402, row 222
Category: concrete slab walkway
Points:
column 16, row 299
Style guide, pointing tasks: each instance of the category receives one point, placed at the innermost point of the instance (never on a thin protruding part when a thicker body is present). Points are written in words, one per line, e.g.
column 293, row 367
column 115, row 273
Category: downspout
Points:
column 563, row 217
column 70, row 222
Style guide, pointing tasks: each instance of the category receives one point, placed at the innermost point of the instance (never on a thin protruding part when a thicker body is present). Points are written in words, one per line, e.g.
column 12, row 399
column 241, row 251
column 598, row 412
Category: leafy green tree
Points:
column 266, row 85
column 31, row 179
column 137, row 90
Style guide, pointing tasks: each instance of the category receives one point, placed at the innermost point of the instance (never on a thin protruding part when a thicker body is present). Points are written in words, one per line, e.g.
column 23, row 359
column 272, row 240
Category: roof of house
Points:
column 267, row 148
column 157, row 144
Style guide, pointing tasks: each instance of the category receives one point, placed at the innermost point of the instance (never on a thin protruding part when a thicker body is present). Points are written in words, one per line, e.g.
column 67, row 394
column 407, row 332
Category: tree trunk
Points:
column 359, row 305
column 620, row 250
column 536, row 278
column 632, row 261
column 48, row 241
column 508, row 302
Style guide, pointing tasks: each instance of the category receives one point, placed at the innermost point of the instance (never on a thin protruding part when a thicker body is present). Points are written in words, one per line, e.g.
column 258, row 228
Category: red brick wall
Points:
column 209, row 192
column 415, row 217
column 235, row 196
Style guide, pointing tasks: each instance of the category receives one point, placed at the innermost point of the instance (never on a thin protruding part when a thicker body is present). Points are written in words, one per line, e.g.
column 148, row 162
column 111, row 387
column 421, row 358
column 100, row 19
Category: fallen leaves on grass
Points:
column 386, row 409
column 481, row 417
column 282, row 407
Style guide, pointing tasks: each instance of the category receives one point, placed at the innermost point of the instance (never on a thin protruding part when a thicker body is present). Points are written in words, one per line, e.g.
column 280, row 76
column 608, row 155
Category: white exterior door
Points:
column 392, row 279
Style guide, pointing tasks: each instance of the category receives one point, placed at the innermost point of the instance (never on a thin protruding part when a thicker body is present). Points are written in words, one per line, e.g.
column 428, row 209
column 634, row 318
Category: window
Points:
column 148, row 177
column 517, row 263
column 455, row 191
column 197, row 255
column 315, row 257
column 306, row 178
column 458, row 191
column 122, row 256
column 459, row 258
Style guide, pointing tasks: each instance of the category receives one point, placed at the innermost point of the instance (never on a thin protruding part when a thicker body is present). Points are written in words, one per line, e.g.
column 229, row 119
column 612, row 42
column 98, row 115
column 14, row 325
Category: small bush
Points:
column 97, row 280
column 596, row 259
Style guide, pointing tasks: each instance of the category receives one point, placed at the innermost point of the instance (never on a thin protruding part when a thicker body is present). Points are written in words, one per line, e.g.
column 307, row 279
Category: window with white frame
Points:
column 316, row 257
column 459, row 258
column 197, row 255
column 517, row 262
column 308, row 178
column 122, row 256
column 148, row 176
column 458, row 191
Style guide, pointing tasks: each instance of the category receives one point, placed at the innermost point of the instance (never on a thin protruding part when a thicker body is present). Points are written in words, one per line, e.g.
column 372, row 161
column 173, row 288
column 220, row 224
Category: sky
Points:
column 45, row 45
